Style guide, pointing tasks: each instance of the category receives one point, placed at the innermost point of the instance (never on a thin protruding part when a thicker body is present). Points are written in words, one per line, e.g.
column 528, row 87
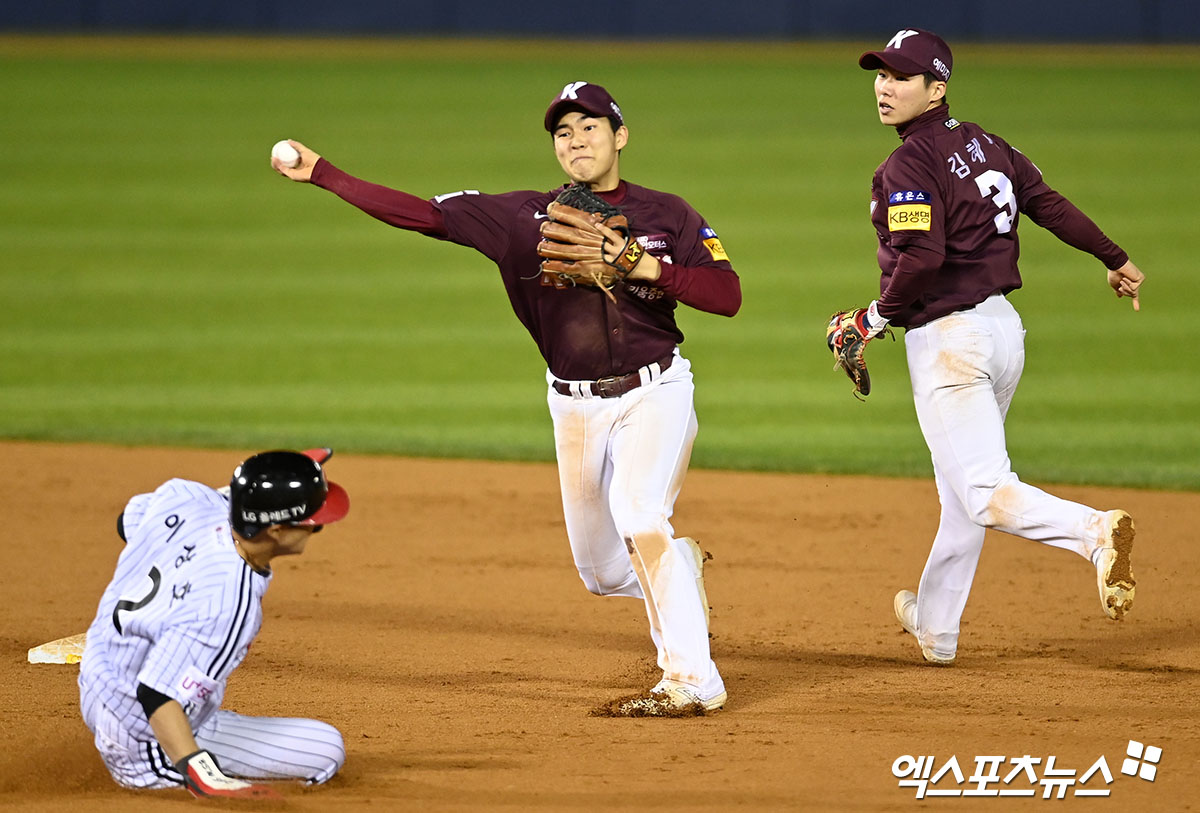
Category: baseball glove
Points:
column 576, row 242
column 847, row 336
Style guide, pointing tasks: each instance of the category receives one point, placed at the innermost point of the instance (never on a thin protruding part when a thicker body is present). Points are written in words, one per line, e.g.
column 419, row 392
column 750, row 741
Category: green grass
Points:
column 163, row 286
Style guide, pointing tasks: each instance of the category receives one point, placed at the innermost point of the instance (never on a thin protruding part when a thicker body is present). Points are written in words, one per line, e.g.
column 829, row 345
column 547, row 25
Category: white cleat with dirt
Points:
column 1114, row 571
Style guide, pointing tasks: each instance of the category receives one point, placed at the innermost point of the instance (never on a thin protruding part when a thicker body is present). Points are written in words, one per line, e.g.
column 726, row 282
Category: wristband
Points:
column 872, row 321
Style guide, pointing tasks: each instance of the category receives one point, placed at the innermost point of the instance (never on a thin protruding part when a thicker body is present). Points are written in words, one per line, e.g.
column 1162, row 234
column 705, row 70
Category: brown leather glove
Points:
column 577, row 242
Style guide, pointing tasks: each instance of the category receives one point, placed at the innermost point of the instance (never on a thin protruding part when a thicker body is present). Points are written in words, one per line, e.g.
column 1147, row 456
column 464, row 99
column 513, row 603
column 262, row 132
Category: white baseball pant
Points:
column 245, row 747
column 621, row 464
column 965, row 368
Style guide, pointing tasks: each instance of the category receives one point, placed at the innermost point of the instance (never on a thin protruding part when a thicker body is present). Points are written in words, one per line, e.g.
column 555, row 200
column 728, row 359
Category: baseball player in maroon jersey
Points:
column 619, row 392
column 946, row 205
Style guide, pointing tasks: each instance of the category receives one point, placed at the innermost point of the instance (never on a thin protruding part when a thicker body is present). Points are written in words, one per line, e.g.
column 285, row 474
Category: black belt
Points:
column 615, row 385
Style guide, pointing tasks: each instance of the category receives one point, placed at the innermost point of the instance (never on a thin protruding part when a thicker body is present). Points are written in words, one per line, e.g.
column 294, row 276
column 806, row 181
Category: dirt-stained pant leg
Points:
column 965, row 368
column 621, row 466
column 582, row 430
column 246, row 747
column 651, row 450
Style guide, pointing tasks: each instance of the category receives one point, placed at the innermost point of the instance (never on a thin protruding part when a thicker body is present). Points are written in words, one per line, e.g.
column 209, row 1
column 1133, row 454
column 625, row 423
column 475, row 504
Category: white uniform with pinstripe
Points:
column 179, row 616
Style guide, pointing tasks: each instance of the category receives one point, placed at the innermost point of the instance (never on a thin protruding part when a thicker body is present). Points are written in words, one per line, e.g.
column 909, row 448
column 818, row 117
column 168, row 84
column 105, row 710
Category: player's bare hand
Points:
column 649, row 269
column 614, row 242
column 302, row 172
column 1126, row 281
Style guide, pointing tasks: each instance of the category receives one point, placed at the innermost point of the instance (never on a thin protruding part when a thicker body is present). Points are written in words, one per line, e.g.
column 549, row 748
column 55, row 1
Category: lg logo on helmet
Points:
column 276, row 516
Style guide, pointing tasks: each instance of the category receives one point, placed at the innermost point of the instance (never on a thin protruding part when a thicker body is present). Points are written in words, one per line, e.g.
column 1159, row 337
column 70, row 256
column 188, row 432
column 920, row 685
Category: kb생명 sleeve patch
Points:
column 909, row 210
column 713, row 244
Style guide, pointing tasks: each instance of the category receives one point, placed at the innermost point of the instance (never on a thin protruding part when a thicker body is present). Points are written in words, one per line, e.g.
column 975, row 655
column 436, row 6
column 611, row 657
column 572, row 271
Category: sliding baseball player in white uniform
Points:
column 179, row 616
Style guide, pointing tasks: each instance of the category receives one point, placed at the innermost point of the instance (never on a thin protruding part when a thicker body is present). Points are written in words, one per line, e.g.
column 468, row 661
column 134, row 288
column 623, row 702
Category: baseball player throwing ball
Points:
column 594, row 271
column 946, row 205
column 180, row 614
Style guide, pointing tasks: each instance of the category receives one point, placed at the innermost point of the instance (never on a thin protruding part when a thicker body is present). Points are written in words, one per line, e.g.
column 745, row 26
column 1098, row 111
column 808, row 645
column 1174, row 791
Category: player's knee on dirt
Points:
column 328, row 754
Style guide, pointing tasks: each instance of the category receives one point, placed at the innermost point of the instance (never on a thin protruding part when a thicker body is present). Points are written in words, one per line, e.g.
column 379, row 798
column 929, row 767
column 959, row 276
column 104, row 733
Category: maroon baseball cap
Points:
column 910, row 52
column 590, row 98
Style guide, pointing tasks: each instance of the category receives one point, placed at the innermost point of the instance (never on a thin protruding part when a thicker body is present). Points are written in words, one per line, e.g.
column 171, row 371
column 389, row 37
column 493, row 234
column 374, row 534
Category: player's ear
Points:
column 939, row 91
column 622, row 136
column 272, row 534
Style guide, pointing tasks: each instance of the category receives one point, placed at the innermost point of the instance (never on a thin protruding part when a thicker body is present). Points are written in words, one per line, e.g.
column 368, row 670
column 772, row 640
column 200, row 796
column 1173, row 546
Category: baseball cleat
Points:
column 699, row 557
column 905, row 605
column 668, row 699
column 1114, row 572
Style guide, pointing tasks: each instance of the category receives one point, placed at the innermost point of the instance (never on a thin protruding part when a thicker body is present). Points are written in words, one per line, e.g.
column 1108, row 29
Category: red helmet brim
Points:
column 335, row 507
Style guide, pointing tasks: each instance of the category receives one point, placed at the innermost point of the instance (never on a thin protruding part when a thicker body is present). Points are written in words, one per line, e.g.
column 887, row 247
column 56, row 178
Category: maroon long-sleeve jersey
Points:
column 946, row 204
column 581, row 333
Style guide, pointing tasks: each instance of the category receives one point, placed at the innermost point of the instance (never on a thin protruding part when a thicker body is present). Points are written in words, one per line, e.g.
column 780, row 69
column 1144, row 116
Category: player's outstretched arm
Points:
column 1126, row 281
column 302, row 172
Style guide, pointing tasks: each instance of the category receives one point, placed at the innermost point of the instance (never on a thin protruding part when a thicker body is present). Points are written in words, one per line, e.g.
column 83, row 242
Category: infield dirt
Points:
column 443, row 629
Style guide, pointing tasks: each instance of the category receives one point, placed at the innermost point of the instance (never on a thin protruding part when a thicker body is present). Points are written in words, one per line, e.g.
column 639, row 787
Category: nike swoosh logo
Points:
column 540, row 215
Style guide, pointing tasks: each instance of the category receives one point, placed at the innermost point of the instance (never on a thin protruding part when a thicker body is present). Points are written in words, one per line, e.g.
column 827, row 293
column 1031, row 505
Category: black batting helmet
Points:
column 284, row 488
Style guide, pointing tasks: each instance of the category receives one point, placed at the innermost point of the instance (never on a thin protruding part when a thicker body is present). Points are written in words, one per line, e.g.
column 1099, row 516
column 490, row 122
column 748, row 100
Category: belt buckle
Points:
column 609, row 387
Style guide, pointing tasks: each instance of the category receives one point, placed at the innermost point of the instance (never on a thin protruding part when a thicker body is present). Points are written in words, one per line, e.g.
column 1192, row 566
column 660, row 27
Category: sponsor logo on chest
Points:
column 654, row 242
column 649, row 293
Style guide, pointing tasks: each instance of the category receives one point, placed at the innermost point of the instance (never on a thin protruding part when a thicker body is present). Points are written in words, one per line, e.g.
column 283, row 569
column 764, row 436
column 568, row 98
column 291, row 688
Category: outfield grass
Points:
column 163, row 286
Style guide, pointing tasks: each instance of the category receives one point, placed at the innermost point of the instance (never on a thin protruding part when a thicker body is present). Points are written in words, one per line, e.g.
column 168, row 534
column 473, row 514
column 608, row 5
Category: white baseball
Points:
column 286, row 153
